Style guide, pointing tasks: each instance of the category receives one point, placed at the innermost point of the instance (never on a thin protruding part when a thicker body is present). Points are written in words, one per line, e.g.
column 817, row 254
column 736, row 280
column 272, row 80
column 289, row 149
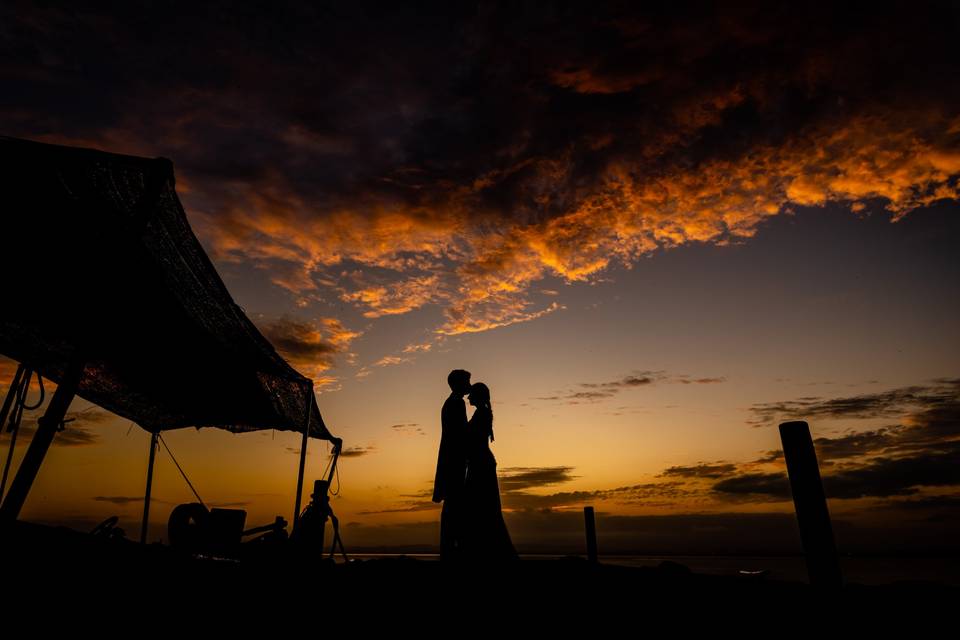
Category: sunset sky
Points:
column 654, row 236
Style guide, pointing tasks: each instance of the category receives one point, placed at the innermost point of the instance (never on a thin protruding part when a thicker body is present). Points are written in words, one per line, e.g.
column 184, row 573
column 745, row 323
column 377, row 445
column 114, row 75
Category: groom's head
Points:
column 459, row 381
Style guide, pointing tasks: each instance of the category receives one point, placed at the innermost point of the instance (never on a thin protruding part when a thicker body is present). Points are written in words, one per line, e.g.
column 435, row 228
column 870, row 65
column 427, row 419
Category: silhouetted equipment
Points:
column 109, row 529
column 187, row 527
column 193, row 528
column 273, row 532
column 308, row 534
column 226, row 530
column 591, row 525
column 123, row 308
column 810, row 502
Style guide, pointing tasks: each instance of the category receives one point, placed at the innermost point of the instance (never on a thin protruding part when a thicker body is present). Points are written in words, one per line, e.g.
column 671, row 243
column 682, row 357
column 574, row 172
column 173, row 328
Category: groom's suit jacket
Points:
column 452, row 459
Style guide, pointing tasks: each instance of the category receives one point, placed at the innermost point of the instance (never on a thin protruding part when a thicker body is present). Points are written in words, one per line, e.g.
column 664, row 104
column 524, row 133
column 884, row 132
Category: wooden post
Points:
column 591, row 534
column 154, row 443
column 303, row 458
column 46, row 430
column 810, row 502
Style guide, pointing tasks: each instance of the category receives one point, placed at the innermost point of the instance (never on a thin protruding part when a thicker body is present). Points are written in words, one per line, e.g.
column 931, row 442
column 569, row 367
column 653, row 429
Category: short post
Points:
column 154, row 443
column 810, row 503
column 591, row 534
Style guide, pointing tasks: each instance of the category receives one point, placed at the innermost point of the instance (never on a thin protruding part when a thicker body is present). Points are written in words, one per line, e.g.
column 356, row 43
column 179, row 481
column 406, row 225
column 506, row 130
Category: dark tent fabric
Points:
column 98, row 262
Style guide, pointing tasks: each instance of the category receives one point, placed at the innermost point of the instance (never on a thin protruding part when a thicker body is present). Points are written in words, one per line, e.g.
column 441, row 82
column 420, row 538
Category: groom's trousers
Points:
column 451, row 526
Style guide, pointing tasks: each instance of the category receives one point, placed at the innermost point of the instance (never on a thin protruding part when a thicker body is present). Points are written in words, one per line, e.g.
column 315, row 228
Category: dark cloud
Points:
column 770, row 456
column 597, row 391
column 81, row 428
column 356, row 452
column 120, row 500
column 77, row 436
column 688, row 380
column 521, row 478
column 702, row 470
column 882, row 477
column 625, row 382
column 459, row 154
column 311, row 346
column 923, row 451
column 930, row 418
column 942, row 396
column 425, row 493
column 513, row 482
column 297, row 340
column 515, row 495
column 410, row 428
column 349, row 452
column 756, row 486
column 425, row 505
column 522, row 500
column 650, row 494
column 516, row 484
column 853, row 445
column 876, row 478
column 418, row 501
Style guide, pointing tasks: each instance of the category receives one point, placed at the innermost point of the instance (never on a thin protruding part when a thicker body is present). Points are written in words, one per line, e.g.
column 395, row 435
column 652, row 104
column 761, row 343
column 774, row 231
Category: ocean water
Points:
column 862, row 570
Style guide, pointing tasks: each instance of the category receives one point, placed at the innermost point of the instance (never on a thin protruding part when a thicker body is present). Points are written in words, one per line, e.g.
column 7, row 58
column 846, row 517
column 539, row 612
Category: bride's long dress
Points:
column 486, row 536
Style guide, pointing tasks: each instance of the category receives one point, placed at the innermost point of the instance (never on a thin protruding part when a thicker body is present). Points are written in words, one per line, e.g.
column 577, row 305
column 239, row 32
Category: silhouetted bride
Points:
column 485, row 532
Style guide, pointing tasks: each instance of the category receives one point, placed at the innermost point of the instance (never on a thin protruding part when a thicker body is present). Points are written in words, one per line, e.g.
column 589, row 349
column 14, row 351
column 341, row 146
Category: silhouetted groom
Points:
column 452, row 463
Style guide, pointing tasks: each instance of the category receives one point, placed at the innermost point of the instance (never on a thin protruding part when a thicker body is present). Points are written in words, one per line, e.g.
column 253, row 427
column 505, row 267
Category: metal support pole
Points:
column 810, row 502
column 11, row 393
column 46, row 430
column 591, row 534
column 154, row 443
column 8, row 402
column 303, row 458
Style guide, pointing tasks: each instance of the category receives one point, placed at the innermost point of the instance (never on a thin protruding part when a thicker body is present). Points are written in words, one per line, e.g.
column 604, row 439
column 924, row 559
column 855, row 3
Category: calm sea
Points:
column 863, row 570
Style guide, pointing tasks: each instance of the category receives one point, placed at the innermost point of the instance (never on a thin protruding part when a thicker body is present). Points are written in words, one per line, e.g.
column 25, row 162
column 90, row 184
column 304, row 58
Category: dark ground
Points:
column 94, row 581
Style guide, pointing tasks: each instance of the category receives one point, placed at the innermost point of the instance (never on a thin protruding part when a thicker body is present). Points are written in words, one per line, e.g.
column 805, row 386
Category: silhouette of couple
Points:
column 471, row 522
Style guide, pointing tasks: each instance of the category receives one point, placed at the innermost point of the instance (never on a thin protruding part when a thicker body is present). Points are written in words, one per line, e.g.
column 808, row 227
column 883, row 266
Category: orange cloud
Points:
column 397, row 298
column 311, row 347
column 481, row 267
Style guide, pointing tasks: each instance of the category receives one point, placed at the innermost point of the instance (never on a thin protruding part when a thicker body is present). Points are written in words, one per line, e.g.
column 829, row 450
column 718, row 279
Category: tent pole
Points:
column 8, row 402
column 303, row 460
column 47, row 428
column 154, row 442
column 11, row 392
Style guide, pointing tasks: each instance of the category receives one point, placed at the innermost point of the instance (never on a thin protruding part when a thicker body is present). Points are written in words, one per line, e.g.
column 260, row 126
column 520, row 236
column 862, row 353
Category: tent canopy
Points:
column 99, row 263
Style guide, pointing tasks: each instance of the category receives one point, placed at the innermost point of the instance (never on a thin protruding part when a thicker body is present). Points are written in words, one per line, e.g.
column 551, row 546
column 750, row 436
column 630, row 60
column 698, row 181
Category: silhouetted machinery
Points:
column 309, row 529
column 308, row 535
column 194, row 529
